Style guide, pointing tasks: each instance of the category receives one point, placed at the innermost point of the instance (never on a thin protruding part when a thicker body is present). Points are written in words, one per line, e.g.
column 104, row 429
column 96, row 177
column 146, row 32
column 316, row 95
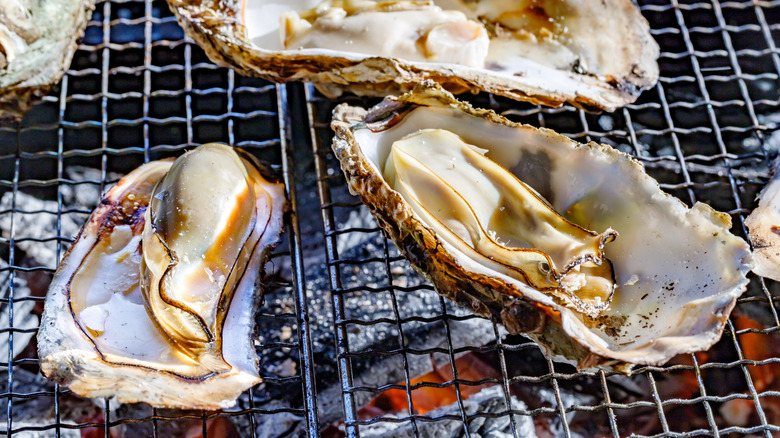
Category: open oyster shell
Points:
column 37, row 42
column 591, row 53
column 677, row 270
column 764, row 229
column 106, row 333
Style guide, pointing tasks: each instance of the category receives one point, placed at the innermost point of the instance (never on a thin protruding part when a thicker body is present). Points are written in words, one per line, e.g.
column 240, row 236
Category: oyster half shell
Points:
column 595, row 54
column 676, row 271
column 154, row 301
column 37, row 42
column 763, row 225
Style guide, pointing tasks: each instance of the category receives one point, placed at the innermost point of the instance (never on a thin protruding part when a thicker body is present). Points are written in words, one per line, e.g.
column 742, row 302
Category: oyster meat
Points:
column 37, row 42
column 572, row 244
column 763, row 225
column 154, row 301
column 591, row 53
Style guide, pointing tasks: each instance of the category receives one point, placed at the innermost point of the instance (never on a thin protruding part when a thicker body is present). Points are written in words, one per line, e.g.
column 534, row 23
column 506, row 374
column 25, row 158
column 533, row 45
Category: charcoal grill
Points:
column 139, row 90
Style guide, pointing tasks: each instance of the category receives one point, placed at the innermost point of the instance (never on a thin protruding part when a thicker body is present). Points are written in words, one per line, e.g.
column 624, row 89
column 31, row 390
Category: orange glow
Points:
column 425, row 399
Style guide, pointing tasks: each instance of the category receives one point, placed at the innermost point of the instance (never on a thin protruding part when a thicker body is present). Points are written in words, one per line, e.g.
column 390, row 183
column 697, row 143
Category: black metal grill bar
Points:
column 11, row 288
column 334, row 274
column 299, row 280
column 451, row 355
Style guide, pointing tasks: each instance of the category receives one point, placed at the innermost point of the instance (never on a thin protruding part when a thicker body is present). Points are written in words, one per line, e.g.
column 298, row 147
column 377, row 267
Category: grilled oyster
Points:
column 37, row 42
column 541, row 51
column 458, row 217
column 764, row 229
column 164, row 271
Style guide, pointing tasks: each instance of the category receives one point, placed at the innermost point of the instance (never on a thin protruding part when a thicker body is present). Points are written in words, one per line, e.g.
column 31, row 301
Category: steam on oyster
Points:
column 571, row 244
column 591, row 53
column 37, row 42
column 154, row 301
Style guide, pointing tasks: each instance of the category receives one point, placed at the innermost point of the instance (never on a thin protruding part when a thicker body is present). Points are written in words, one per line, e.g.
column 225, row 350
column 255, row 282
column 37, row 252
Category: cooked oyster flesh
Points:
column 562, row 34
column 420, row 31
column 155, row 300
column 487, row 213
column 202, row 233
column 105, row 293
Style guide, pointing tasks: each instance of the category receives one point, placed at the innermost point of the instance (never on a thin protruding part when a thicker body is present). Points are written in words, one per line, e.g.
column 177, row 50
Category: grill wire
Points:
column 138, row 90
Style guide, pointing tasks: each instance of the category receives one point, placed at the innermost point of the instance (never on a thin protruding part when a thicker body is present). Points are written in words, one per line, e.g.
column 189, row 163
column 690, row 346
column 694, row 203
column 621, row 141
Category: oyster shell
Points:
column 763, row 225
column 677, row 270
column 541, row 51
column 37, row 42
column 114, row 326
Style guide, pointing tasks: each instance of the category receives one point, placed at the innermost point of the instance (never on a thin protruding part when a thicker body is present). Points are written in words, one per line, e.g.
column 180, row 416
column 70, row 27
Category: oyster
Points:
column 37, row 42
column 764, row 229
column 649, row 278
column 591, row 53
column 162, row 273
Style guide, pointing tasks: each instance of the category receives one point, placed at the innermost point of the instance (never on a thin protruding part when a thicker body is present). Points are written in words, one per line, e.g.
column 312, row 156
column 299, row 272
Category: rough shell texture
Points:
column 46, row 34
column 218, row 26
column 96, row 336
column 678, row 270
column 764, row 229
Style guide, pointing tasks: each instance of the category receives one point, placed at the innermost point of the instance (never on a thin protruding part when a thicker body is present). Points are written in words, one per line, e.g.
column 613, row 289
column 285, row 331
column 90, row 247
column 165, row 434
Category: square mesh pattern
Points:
column 136, row 91
column 345, row 319
column 707, row 132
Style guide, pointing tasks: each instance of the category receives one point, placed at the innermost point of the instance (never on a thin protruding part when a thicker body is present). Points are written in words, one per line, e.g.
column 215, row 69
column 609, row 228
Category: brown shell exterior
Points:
column 20, row 89
column 217, row 27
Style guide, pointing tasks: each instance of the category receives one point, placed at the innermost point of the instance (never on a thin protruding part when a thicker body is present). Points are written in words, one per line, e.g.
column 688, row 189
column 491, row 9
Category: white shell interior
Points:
column 543, row 63
column 98, row 338
column 677, row 269
column 763, row 224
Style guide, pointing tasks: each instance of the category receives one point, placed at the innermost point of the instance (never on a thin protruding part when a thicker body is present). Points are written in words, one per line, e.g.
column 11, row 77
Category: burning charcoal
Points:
column 487, row 401
column 428, row 398
column 756, row 347
column 87, row 194
column 40, row 411
column 39, row 220
column 282, row 424
column 24, row 319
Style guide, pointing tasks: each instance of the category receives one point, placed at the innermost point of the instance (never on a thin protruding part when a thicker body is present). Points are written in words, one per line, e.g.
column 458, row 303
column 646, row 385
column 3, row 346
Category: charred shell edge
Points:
column 216, row 26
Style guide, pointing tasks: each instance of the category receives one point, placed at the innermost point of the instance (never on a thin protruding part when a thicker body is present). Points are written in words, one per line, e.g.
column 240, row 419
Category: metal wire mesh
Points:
column 138, row 90
column 707, row 132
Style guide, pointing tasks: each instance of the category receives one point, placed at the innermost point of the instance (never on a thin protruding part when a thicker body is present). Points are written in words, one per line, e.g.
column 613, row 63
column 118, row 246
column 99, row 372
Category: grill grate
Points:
column 138, row 90
column 707, row 132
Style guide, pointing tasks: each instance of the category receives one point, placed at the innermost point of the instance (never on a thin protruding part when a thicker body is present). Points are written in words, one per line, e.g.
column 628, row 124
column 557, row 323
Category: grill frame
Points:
column 666, row 150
